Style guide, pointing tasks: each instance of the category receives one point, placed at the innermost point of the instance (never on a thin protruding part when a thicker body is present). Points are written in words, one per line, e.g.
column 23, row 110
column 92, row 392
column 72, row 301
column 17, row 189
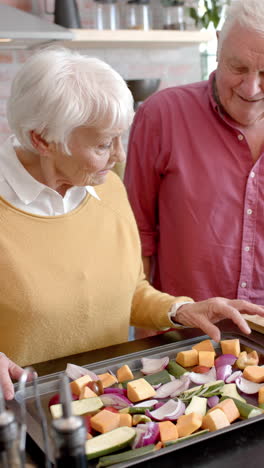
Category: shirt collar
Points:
column 26, row 187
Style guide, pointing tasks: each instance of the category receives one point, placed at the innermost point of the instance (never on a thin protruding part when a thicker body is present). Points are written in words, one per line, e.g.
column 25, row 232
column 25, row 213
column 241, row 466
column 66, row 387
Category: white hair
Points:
column 58, row 90
column 247, row 13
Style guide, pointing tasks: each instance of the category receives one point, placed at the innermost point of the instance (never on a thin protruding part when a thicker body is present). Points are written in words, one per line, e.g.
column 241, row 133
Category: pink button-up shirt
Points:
column 197, row 195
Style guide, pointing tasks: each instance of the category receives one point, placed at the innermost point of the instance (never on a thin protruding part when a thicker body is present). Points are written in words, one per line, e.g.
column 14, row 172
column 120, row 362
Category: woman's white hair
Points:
column 247, row 13
column 58, row 90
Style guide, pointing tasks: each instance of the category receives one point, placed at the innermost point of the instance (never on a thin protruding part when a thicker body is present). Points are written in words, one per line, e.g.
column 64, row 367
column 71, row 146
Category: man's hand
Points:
column 8, row 371
column 205, row 313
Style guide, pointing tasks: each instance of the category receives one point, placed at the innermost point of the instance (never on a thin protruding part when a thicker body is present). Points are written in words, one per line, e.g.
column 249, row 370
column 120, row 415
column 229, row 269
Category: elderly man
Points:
column 195, row 172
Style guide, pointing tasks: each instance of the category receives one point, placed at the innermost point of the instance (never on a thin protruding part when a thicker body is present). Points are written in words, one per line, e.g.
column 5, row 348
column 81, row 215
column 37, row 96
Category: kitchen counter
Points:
column 237, row 449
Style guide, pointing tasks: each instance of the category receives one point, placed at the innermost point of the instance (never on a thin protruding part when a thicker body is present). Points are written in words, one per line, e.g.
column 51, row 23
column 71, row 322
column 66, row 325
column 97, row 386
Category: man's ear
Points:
column 39, row 143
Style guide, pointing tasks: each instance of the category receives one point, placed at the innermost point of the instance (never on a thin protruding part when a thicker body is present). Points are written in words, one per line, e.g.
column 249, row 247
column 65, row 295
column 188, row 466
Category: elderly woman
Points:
column 71, row 272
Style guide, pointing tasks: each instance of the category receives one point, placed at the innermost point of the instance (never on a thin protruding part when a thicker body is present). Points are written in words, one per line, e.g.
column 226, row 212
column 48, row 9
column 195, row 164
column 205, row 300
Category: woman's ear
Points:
column 39, row 143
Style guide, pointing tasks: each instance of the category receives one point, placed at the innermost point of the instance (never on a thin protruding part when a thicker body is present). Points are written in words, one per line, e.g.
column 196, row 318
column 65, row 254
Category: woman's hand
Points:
column 8, row 371
column 205, row 313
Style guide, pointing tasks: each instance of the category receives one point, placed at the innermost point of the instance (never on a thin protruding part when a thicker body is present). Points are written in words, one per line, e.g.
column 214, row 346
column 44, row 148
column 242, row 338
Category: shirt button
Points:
column 249, row 211
column 252, row 174
column 244, row 284
column 247, row 248
column 240, row 137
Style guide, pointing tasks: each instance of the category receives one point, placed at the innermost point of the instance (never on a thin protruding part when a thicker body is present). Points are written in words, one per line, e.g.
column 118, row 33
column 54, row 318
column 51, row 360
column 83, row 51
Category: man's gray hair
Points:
column 247, row 13
column 58, row 90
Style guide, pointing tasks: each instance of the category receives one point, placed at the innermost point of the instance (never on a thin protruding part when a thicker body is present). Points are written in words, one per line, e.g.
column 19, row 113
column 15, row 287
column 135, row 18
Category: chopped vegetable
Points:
column 230, row 390
column 171, row 410
column 247, row 359
column 174, row 388
column 189, row 423
column 246, row 386
column 215, row 419
column 246, row 411
column 197, row 405
column 125, row 456
column 175, row 369
column 110, row 442
column 182, row 439
column 223, row 372
column 152, row 366
column 203, row 378
column 230, row 347
column 187, row 358
column 225, row 359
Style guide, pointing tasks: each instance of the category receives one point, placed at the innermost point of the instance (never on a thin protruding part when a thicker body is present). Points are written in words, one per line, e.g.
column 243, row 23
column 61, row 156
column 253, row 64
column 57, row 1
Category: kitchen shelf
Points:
column 137, row 38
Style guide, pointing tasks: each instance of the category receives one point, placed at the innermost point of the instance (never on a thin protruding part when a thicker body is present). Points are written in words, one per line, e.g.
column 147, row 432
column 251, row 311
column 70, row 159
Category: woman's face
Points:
column 94, row 153
column 240, row 75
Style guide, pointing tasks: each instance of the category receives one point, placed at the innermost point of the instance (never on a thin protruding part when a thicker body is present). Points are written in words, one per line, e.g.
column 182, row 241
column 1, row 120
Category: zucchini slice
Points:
column 109, row 442
column 125, row 456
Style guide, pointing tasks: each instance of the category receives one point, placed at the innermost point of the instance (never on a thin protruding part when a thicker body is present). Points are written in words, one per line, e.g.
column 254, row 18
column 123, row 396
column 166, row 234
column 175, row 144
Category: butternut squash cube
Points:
column 124, row 373
column 261, row 396
column 188, row 423
column 215, row 420
column 229, row 408
column 140, row 389
column 105, row 421
column 107, row 379
column 168, row 431
column 187, row 358
column 205, row 345
column 86, row 392
column 78, row 384
column 230, row 347
column 206, row 358
column 125, row 420
column 254, row 373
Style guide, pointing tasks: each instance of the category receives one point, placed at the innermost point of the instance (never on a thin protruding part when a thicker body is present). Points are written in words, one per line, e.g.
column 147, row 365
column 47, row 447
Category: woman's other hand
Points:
column 205, row 313
column 8, row 371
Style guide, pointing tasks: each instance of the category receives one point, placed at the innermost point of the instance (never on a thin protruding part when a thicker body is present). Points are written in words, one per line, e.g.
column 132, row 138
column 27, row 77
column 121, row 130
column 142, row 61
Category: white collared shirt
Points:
column 20, row 189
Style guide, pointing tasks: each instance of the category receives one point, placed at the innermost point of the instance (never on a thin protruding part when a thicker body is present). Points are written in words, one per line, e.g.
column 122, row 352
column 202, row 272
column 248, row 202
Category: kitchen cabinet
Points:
column 89, row 38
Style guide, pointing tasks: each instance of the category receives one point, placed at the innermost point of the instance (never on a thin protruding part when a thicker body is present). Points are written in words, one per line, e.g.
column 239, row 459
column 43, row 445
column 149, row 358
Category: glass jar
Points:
column 174, row 15
column 106, row 14
column 138, row 15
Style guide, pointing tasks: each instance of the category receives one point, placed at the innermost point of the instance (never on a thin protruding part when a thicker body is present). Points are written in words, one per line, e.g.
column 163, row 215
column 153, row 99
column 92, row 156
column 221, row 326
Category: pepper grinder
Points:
column 69, row 432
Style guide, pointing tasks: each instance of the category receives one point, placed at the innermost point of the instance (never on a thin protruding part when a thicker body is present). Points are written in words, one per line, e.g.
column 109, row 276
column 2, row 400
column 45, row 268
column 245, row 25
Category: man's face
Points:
column 240, row 75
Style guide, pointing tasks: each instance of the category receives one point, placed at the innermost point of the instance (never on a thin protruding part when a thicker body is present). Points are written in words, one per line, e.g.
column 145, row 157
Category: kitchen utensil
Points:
column 142, row 88
column 66, row 13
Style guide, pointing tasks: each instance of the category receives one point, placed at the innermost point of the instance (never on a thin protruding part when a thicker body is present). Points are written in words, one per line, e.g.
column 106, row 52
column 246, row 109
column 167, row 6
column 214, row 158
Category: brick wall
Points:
column 173, row 65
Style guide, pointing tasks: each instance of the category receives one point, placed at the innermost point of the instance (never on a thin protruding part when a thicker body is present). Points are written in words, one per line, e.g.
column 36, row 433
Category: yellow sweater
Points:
column 69, row 283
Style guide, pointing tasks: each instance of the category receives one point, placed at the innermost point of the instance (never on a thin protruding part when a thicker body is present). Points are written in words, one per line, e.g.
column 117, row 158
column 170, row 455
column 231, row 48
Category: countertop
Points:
column 237, row 449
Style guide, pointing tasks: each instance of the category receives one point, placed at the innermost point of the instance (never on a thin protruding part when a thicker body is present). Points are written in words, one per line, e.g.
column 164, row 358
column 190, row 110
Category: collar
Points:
column 26, row 187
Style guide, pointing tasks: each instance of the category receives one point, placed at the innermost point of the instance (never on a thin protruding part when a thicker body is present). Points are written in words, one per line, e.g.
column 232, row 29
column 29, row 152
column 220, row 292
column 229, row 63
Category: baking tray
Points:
column 49, row 385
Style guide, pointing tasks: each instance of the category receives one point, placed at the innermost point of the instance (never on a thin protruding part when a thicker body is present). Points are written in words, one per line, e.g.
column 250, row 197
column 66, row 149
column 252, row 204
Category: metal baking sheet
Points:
column 49, row 385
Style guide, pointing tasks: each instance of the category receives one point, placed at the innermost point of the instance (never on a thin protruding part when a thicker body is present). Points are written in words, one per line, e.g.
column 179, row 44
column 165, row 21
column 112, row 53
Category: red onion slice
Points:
column 248, row 387
column 139, row 431
column 232, row 378
column 223, row 372
column 146, row 403
column 186, row 382
column 113, row 399
column 74, row 372
column 200, row 379
column 225, row 359
column 150, row 436
column 151, row 366
column 171, row 410
column 173, row 388
column 212, row 401
column 118, row 391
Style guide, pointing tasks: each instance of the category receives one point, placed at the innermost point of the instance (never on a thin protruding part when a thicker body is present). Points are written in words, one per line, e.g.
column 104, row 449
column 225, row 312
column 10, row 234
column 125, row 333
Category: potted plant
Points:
column 211, row 13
